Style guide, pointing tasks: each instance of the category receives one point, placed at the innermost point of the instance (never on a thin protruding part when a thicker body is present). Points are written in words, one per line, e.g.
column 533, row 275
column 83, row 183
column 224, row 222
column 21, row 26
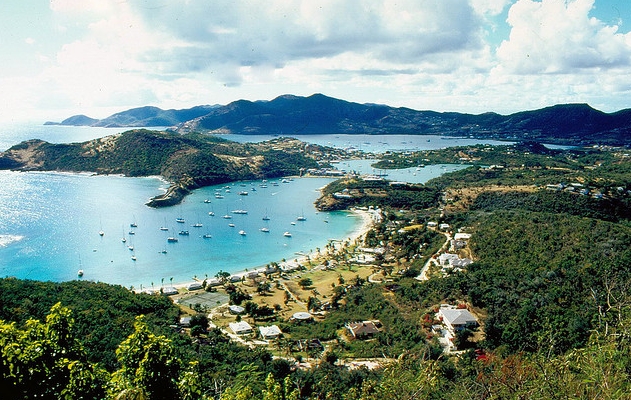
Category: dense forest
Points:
column 550, row 277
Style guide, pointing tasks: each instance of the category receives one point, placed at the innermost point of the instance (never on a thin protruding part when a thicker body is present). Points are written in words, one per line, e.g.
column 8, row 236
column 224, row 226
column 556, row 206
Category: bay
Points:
column 376, row 143
column 50, row 222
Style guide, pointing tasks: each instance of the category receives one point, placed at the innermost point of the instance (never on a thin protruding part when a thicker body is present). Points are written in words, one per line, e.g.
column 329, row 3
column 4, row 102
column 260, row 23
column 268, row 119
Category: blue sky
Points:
column 97, row 57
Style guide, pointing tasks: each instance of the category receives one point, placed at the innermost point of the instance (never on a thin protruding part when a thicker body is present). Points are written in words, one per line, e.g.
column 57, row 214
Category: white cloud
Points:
column 263, row 33
column 417, row 53
column 489, row 7
column 558, row 36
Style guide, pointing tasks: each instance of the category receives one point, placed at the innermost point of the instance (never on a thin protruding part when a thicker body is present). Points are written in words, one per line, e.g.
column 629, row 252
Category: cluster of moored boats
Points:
column 183, row 232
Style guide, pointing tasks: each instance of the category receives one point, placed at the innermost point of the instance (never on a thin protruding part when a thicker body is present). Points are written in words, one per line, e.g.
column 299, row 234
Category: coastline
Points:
column 368, row 218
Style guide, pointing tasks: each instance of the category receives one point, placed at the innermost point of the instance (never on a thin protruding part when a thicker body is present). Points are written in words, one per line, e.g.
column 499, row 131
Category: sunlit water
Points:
column 50, row 222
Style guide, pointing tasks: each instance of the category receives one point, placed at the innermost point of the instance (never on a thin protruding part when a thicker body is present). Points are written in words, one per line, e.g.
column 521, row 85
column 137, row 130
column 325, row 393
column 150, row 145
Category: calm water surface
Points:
column 50, row 222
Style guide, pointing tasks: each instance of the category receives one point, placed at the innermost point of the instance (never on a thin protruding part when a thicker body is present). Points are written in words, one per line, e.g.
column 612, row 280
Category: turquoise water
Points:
column 50, row 222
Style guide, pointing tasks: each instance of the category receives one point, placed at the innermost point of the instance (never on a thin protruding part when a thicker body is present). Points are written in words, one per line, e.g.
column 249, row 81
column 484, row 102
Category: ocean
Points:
column 50, row 222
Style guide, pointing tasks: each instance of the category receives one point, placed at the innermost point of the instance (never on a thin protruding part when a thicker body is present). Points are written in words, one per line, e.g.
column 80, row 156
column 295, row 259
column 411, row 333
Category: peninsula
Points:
column 188, row 161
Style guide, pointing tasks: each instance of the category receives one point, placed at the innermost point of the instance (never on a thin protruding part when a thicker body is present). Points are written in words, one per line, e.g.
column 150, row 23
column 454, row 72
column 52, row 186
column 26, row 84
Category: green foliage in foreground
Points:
column 46, row 360
column 104, row 314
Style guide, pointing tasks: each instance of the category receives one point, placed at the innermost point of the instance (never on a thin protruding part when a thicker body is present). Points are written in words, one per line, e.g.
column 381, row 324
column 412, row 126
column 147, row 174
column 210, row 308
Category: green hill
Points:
column 189, row 161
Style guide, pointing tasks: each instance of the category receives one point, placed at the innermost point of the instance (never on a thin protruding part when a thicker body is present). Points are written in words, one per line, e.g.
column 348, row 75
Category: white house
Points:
column 462, row 236
column 456, row 319
column 270, row 332
column 236, row 310
column 449, row 260
column 212, row 282
column 363, row 329
column 240, row 328
column 169, row 291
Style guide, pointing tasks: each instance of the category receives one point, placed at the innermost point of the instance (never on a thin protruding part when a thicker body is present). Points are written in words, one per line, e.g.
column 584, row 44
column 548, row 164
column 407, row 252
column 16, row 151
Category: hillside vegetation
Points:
column 550, row 284
column 189, row 161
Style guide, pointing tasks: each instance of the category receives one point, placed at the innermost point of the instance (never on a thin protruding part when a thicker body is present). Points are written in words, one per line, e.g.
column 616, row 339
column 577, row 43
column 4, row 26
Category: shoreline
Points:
column 368, row 219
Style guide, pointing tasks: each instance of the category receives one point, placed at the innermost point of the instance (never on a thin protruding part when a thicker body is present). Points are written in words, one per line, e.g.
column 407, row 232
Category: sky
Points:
column 95, row 57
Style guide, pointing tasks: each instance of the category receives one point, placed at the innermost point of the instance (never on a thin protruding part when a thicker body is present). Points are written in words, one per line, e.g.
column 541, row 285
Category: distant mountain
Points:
column 76, row 120
column 318, row 114
column 139, row 117
column 293, row 115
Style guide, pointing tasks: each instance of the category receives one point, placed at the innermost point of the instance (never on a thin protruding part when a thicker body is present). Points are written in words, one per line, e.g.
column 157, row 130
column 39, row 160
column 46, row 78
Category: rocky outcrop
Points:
column 173, row 196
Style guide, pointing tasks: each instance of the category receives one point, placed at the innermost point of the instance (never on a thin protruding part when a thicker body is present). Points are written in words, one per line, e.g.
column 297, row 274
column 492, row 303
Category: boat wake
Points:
column 6, row 240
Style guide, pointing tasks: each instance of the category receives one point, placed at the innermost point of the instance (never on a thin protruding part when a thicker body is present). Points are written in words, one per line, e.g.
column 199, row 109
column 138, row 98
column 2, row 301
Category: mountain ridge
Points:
column 139, row 117
column 574, row 123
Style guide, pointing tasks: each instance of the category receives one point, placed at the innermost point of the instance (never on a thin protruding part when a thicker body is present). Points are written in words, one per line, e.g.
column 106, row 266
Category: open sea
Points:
column 50, row 222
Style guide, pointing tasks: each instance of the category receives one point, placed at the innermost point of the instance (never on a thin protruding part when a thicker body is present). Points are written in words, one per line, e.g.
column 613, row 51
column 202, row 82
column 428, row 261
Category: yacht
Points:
column 80, row 273
column 180, row 220
column 287, row 234
column 183, row 233
column 264, row 229
column 171, row 239
column 242, row 233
